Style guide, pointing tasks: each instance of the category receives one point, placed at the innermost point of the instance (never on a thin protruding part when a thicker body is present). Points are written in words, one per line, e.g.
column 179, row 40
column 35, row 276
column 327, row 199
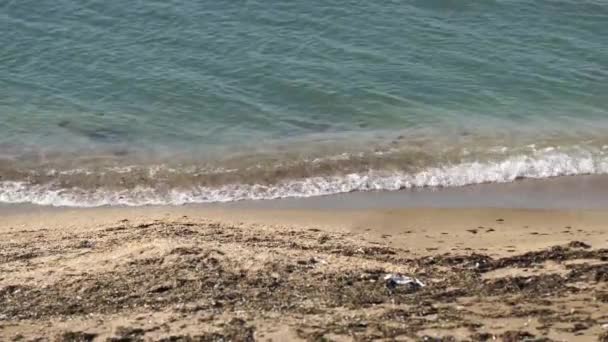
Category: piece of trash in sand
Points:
column 394, row 281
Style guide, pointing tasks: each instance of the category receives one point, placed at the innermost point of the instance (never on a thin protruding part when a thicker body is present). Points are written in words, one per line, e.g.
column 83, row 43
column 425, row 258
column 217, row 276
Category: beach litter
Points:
column 394, row 281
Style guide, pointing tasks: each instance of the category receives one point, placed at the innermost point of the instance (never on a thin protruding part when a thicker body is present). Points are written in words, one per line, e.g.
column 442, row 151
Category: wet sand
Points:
column 217, row 273
column 568, row 192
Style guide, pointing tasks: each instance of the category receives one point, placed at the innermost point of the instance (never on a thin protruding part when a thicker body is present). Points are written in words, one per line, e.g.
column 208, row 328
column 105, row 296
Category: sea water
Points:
column 171, row 102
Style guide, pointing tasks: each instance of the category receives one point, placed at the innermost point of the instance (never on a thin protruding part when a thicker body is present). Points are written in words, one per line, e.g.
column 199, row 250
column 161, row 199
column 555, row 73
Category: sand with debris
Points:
column 190, row 274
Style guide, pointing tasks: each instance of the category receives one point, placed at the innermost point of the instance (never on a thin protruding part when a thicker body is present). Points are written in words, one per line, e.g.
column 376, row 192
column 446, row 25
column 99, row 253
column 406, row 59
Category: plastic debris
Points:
column 394, row 281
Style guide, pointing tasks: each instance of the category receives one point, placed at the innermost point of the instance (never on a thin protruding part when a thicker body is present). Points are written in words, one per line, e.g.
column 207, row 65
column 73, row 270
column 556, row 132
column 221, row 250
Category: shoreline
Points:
column 501, row 185
column 580, row 192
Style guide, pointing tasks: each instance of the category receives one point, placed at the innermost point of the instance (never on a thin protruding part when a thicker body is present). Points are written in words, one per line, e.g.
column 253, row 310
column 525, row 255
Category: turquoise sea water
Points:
column 152, row 102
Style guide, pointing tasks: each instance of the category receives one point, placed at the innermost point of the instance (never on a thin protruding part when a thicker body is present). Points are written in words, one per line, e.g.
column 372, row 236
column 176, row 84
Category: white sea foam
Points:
column 548, row 163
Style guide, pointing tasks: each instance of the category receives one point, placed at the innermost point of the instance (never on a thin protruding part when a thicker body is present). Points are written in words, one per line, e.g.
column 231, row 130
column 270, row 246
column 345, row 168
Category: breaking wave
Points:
column 550, row 163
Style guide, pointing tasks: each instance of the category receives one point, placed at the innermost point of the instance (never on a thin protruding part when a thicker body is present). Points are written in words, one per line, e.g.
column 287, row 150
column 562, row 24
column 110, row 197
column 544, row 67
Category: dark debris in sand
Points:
column 207, row 285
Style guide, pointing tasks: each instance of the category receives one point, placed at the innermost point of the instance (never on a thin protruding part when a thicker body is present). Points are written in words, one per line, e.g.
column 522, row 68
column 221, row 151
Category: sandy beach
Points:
column 220, row 274
column 215, row 171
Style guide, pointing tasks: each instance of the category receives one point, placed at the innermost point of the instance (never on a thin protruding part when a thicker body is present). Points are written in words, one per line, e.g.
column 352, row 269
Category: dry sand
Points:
column 204, row 274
